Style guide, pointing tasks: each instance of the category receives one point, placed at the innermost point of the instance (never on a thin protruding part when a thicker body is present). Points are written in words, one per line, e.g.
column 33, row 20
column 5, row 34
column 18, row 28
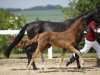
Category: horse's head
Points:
column 98, row 16
column 92, row 16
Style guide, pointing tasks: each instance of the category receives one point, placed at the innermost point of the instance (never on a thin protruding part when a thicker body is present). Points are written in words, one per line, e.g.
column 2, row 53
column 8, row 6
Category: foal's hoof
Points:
column 42, row 68
column 28, row 70
column 82, row 62
column 59, row 70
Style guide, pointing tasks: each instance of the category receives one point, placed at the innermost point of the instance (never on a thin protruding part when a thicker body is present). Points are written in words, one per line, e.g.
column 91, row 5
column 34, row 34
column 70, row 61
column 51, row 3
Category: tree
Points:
column 77, row 7
column 9, row 21
column 70, row 11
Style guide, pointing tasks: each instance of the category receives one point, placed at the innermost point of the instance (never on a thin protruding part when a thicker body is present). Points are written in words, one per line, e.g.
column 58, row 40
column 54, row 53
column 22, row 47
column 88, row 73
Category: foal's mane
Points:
column 75, row 24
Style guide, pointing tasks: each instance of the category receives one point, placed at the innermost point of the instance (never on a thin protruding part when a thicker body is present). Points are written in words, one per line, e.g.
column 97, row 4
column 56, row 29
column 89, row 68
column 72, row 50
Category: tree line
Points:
column 47, row 7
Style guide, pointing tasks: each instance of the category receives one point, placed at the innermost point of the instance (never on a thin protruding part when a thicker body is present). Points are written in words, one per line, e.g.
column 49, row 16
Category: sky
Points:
column 31, row 3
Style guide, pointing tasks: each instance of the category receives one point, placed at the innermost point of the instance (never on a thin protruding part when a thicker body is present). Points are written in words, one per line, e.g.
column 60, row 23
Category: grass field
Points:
column 55, row 55
column 50, row 15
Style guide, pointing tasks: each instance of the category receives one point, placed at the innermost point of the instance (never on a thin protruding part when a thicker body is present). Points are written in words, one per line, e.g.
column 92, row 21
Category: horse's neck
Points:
column 73, row 28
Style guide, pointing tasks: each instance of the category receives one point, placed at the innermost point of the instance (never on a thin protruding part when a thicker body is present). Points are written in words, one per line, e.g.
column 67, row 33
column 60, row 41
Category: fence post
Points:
column 50, row 53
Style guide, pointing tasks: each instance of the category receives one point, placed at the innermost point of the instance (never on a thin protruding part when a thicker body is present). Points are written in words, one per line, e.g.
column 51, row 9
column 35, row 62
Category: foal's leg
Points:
column 62, row 57
column 33, row 57
column 42, row 58
column 29, row 50
column 29, row 56
column 41, row 45
column 77, row 52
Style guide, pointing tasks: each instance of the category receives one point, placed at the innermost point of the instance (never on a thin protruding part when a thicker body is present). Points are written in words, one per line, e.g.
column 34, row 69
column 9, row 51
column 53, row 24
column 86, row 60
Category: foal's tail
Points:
column 35, row 39
column 8, row 50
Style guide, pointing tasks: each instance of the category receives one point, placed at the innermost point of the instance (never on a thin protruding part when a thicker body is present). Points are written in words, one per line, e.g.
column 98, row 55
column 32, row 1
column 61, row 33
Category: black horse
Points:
column 38, row 27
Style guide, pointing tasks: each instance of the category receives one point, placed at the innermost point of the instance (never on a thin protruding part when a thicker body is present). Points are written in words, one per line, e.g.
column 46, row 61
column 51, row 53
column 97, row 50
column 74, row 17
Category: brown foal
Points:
column 64, row 39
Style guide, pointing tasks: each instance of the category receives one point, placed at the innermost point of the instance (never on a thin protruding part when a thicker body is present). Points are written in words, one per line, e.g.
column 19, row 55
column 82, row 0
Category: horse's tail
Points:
column 8, row 50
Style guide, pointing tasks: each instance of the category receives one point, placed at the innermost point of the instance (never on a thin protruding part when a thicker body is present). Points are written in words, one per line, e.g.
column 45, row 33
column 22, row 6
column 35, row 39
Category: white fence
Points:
column 14, row 32
column 9, row 32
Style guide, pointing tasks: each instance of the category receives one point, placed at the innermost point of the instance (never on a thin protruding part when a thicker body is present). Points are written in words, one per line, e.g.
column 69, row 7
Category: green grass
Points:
column 51, row 15
column 55, row 55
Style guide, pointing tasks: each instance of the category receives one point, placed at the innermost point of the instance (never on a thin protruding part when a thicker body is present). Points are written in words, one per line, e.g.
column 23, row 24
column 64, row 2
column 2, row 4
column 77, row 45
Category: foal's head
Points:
column 82, row 25
column 79, row 24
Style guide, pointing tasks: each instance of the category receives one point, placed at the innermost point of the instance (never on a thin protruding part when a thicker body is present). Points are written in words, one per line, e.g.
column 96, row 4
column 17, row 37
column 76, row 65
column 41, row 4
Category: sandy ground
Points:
column 19, row 67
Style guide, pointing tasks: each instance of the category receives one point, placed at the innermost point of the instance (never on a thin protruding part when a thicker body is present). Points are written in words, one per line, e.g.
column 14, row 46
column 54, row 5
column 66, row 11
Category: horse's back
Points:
column 56, row 26
column 34, row 28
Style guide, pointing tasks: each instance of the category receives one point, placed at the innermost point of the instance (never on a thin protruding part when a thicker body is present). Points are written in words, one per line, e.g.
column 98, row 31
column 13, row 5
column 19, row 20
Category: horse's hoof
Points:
column 35, row 68
column 78, row 67
column 67, row 64
column 6, row 55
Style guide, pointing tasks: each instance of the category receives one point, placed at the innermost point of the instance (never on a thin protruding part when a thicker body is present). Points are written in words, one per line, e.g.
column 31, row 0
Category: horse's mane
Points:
column 86, row 14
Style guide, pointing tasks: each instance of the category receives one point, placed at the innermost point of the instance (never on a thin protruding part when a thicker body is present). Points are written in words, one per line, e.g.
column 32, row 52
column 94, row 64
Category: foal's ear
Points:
column 82, row 19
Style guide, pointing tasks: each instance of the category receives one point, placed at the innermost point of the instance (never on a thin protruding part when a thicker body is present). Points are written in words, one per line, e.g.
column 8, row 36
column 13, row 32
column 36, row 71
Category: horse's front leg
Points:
column 62, row 57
